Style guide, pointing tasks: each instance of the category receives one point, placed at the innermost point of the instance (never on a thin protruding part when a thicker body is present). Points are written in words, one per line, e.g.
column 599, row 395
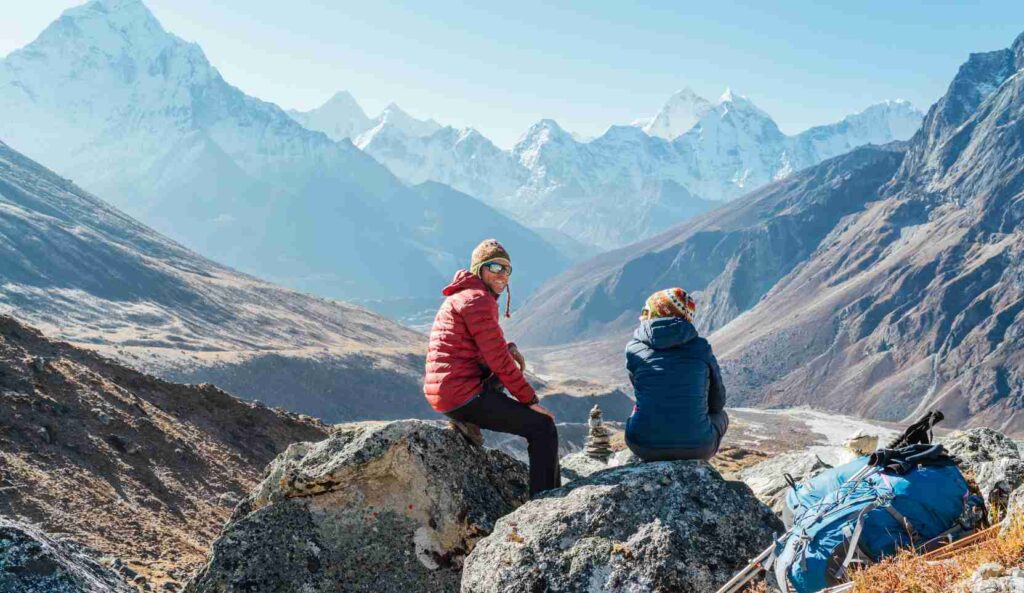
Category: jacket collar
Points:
column 463, row 280
column 665, row 332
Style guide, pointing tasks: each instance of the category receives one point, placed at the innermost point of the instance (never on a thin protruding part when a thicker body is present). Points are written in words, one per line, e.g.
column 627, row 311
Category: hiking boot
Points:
column 468, row 430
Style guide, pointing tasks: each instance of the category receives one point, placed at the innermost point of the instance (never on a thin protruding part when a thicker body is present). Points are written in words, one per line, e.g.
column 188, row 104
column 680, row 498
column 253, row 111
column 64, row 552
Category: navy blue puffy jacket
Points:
column 677, row 383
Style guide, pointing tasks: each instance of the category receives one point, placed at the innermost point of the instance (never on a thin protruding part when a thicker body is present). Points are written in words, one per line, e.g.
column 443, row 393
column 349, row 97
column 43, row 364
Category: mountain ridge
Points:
column 109, row 98
column 628, row 183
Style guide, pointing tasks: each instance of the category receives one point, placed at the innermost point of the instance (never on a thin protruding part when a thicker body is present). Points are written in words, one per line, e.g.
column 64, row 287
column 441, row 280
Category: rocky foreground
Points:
column 410, row 506
column 139, row 469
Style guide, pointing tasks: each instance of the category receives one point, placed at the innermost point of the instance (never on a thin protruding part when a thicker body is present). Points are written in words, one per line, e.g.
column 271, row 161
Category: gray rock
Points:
column 580, row 465
column 993, row 578
column 980, row 444
column 767, row 479
column 663, row 526
column 387, row 507
column 624, row 457
column 994, row 462
column 30, row 561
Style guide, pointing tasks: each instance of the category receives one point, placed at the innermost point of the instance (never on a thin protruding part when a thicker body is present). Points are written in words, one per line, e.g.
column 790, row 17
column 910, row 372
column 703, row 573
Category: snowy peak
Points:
column 899, row 117
column 731, row 102
column 393, row 115
column 111, row 28
column 393, row 122
column 340, row 117
column 680, row 113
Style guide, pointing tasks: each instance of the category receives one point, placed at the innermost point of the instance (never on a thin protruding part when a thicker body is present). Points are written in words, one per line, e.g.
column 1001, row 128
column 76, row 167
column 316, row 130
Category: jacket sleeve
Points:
column 716, row 390
column 481, row 317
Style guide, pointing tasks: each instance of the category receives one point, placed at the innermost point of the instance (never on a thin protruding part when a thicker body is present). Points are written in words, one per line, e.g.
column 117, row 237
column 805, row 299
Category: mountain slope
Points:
column 917, row 302
column 106, row 96
column 631, row 183
column 728, row 258
column 141, row 469
column 80, row 269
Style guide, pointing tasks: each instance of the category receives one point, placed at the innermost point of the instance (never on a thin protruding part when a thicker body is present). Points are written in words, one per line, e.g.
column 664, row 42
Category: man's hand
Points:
column 517, row 356
column 543, row 410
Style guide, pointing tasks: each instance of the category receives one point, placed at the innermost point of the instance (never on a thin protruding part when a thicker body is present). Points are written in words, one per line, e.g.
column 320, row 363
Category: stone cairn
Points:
column 598, row 445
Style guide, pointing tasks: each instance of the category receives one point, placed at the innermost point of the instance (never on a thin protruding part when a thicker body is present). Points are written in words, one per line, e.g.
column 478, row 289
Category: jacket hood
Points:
column 665, row 332
column 463, row 280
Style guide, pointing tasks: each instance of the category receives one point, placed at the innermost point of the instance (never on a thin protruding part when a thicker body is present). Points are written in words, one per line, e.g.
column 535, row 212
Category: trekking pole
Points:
column 740, row 580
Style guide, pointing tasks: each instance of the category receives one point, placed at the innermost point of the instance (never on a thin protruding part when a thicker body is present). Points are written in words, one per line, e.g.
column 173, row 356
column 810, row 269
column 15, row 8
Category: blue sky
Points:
column 501, row 66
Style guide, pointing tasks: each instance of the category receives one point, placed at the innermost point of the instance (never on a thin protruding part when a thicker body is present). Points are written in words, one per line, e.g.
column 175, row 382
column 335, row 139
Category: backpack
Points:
column 912, row 497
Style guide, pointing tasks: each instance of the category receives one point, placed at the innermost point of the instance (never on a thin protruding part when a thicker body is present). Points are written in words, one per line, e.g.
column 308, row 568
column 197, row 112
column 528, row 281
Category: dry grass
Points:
column 910, row 573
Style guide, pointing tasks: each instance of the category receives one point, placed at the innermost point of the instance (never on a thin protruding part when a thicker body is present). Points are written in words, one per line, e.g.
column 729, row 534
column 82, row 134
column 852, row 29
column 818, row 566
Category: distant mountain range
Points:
column 883, row 283
column 107, row 97
column 629, row 183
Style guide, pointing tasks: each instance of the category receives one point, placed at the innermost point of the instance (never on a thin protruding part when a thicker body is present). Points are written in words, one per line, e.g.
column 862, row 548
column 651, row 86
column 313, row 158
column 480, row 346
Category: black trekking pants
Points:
column 495, row 411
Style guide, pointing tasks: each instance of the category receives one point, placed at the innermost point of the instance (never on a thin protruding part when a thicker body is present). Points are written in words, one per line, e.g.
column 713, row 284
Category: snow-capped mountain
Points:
column 109, row 98
column 633, row 181
column 884, row 282
column 394, row 120
column 680, row 113
column 340, row 117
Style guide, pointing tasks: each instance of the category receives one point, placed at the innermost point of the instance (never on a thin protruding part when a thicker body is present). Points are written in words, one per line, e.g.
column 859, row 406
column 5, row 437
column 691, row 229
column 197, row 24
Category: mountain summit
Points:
column 680, row 113
column 626, row 184
column 109, row 98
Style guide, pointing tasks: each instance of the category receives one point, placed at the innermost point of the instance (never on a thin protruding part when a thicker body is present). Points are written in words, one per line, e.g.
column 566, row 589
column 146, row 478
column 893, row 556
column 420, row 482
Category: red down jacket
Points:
column 465, row 341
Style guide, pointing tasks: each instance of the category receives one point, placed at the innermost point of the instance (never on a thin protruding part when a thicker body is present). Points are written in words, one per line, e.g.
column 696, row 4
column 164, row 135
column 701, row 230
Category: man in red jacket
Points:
column 468, row 362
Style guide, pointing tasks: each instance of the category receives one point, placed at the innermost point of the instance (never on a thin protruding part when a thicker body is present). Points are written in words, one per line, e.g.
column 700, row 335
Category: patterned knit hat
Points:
column 488, row 251
column 671, row 302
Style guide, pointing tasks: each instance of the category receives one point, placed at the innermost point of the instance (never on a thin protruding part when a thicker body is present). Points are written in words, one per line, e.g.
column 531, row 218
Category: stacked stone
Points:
column 598, row 445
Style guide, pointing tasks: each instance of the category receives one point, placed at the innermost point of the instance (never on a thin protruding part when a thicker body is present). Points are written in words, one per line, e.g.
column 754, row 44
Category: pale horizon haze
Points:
column 502, row 67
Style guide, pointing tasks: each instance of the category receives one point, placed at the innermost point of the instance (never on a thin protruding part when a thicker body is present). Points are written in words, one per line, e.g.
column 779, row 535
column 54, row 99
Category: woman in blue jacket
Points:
column 680, row 398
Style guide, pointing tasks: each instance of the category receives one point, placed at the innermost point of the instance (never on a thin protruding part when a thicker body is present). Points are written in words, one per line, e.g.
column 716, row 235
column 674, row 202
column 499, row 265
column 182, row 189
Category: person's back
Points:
column 680, row 397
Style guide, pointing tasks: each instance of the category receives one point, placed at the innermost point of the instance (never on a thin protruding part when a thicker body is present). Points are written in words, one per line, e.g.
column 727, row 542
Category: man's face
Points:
column 496, row 282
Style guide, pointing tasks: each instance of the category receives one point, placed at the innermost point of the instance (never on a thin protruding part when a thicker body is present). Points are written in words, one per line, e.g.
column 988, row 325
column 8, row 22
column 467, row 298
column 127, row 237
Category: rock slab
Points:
column 30, row 561
column 388, row 507
column 993, row 461
column 652, row 527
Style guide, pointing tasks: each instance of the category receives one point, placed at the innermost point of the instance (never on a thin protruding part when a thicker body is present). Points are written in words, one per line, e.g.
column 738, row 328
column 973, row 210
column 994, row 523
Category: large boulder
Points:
column 579, row 465
column 767, row 479
column 992, row 460
column 652, row 527
column 30, row 561
column 979, row 445
column 387, row 507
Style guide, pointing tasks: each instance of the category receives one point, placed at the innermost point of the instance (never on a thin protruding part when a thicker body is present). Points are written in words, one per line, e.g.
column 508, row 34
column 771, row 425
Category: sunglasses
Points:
column 496, row 268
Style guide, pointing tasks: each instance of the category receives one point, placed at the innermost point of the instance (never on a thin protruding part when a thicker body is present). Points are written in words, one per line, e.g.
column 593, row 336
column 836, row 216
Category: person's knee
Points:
column 544, row 428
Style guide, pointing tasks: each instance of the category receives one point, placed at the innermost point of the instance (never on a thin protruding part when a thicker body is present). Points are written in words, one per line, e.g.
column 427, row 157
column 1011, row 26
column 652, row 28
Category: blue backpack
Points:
column 870, row 508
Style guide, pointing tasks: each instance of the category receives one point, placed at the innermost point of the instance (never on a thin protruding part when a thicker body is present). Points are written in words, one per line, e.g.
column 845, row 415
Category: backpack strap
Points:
column 904, row 522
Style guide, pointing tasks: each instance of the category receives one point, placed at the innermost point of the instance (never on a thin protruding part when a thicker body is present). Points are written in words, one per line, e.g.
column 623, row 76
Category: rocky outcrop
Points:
column 665, row 526
column 382, row 507
column 994, row 578
column 579, row 465
column 767, row 479
column 30, row 561
column 994, row 462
